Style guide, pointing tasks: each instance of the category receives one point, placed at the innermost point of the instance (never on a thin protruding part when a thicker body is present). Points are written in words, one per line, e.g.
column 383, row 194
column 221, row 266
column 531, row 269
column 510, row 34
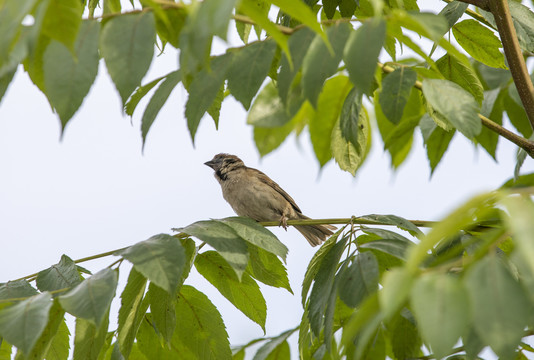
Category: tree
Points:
column 369, row 292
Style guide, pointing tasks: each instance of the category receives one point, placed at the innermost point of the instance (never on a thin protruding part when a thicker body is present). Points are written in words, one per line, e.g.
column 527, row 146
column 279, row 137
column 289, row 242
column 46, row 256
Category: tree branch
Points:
column 514, row 55
column 520, row 141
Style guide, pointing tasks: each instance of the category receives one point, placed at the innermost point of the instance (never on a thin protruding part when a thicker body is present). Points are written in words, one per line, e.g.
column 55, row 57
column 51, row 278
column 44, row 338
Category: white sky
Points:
column 95, row 191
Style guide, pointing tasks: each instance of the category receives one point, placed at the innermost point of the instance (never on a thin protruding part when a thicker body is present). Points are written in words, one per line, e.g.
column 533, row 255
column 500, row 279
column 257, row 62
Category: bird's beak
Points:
column 210, row 163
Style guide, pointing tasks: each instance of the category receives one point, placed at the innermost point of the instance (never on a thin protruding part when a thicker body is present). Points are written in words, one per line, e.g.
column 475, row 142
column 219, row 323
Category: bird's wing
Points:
column 266, row 180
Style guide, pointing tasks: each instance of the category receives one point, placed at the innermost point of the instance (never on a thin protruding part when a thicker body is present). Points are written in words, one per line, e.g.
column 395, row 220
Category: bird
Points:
column 253, row 194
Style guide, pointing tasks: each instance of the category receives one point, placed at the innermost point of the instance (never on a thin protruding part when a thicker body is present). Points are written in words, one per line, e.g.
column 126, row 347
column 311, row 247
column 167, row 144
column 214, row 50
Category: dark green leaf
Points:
column 127, row 45
column 267, row 268
column 453, row 11
column 396, row 88
column 392, row 247
column 301, row 12
column 245, row 295
column 362, row 64
column 479, row 42
column 455, row 104
column 162, row 310
column 347, row 7
column 266, row 351
column 91, row 298
column 405, row 339
column 139, row 93
column 204, row 89
column 440, row 305
column 161, row 259
column 319, row 62
column 89, row 340
column 11, row 15
column 201, row 331
column 16, row 290
column 499, row 305
column 436, row 140
column 350, row 112
column 131, row 311
column 23, row 323
column 323, row 285
column 358, row 280
column 396, row 286
column 170, row 30
column 329, row 8
column 248, row 70
column 5, row 80
column 322, row 124
column 62, row 21
column 60, row 276
column 299, row 44
column 395, row 220
column 462, row 74
column 493, row 108
column 348, row 156
column 223, row 239
column 518, row 116
column 158, row 100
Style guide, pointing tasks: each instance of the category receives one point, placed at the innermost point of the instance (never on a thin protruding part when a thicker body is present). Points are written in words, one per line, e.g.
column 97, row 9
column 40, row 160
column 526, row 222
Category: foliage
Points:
column 335, row 68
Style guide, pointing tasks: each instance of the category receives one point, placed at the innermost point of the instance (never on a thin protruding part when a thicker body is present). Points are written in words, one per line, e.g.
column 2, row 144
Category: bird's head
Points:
column 224, row 163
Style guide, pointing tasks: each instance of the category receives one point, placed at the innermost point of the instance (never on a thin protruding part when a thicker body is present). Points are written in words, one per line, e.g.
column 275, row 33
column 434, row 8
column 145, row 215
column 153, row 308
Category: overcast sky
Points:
column 95, row 191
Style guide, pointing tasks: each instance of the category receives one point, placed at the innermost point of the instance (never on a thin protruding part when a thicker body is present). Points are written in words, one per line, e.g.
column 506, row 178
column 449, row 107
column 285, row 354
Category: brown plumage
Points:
column 252, row 193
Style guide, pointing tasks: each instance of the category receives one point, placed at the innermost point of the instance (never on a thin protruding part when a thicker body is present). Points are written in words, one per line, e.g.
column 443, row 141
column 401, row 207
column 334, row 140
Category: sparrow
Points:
column 253, row 194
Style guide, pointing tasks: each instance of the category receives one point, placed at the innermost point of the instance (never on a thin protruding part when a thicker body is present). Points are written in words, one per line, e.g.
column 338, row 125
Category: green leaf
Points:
column 387, row 235
column 149, row 342
column 89, row 340
column 162, row 310
column 457, row 105
column 319, row 63
column 205, row 20
column 127, row 45
column 139, row 93
column 362, row 64
column 322, row 124
column 91, row 298
column 270, row 348
column 264, row 266
column 268, row 139
column 204, row 89
column 439, row 303
column 517, row 115
column 43, row 344
column 59, row 348
column 201, row 330
column 170, row 30
column 436, row 140
column 396, row 88
column 520, row 223
column 479, row 42
column 348, row 120
column 5, row 80
column 499, row 305
column 462, row 74
column 248, row 70
column 323, row 285
column 493, row 108
column 302, row 12
column 5, row 350
column 11, row 15
column 16, row 290
column 60, row 276
column 67, row 76
column 299, row 44
column 359, row 280
column 268, row 111
column 395, row 220
column 348, row 156
column 23, row 323
column 224, row 239
column 396, row 286
column 62, row 21
column 453, row 11
column 259, row 14
column 392, row 247
column 158, row 100
column 405, row 340
column 256, row 234
column 245, row 295
column 131, row 311
column 161, row 259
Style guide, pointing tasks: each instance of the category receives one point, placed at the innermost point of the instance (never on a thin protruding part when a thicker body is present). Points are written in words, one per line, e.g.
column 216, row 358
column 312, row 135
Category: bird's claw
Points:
column 283, row 222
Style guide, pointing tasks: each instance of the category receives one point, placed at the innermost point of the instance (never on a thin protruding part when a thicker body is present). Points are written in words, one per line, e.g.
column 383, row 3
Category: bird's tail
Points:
column 315, row 234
